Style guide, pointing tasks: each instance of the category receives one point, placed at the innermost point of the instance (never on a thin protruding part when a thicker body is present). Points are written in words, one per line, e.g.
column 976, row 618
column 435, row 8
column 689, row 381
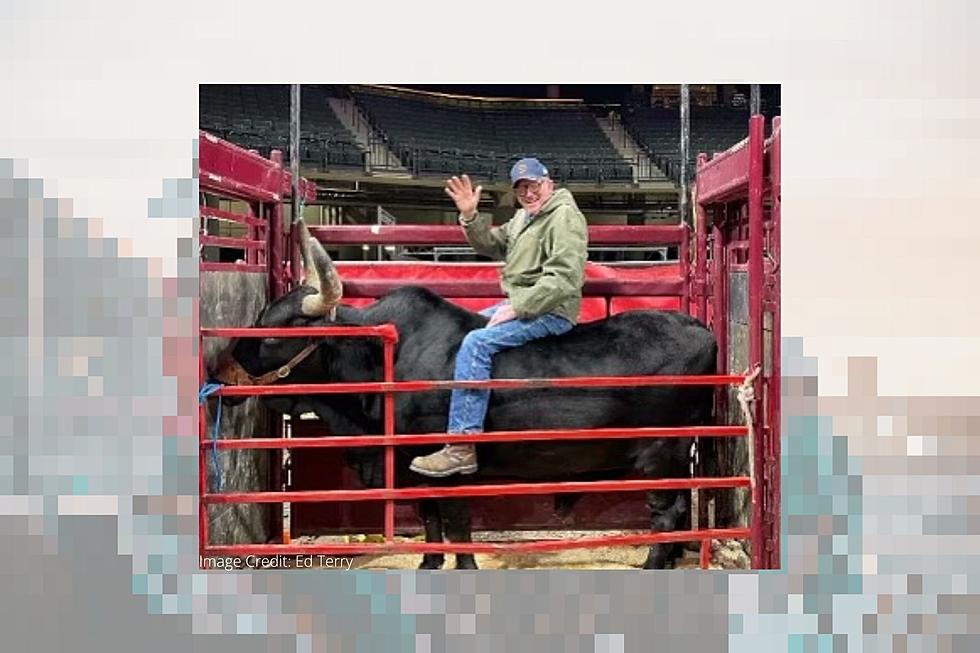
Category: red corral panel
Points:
column 593, row 308
column 419, row 273
column 233, row 170
column 311, row 466
column 476, row 286
column 622, row 304
column 419, row 234
column 483, row 280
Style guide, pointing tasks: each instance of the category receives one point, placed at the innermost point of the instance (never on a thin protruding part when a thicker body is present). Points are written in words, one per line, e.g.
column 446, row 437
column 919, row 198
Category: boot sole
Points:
column 469, row 469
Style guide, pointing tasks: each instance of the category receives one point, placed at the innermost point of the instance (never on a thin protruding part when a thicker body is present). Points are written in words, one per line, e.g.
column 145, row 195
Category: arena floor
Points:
column 726, row 554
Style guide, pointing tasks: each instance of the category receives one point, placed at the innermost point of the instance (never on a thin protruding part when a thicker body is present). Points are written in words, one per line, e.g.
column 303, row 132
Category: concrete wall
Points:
column 735, row 454
column 230, row 299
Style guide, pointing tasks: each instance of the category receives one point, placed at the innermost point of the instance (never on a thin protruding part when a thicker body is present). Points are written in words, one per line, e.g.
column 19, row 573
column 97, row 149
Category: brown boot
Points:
column 451, row 459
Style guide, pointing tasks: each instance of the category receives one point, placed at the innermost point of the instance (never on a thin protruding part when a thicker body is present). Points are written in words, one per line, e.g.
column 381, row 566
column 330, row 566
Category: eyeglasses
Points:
column 526, row 186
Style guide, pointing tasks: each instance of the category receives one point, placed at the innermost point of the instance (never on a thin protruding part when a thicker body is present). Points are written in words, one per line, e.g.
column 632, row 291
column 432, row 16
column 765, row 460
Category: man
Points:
column 543, row 247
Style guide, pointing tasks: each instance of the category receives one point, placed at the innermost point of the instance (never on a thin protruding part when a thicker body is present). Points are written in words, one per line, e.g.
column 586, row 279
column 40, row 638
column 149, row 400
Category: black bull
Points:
column 430, row 332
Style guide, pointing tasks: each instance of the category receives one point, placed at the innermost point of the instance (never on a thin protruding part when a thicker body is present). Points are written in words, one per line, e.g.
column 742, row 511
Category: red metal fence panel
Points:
column 739, row 190
column 389, row 440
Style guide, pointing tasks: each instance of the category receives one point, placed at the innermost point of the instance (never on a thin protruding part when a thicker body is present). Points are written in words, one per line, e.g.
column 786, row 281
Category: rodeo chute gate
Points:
column 731, row 188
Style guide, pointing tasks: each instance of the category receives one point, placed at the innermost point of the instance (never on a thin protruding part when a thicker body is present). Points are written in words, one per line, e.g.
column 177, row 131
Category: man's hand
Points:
column 464, row 195
column 503, row 314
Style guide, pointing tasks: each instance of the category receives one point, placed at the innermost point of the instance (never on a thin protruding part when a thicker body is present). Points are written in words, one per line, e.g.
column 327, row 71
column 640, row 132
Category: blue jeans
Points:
column 474, row 362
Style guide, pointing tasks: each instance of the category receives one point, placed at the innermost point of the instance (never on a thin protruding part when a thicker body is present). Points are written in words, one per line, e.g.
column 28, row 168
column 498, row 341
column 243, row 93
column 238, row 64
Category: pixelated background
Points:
column 98, row 200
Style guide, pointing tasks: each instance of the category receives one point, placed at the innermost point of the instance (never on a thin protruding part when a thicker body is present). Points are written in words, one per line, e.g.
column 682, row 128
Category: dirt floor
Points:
column 725, row 554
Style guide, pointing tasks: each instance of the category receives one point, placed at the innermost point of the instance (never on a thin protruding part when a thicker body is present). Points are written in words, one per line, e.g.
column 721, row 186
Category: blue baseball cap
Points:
column 529, row 168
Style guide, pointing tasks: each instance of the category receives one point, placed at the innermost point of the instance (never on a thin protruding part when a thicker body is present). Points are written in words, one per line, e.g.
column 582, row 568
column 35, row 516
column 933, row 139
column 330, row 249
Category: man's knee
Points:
column 476, row 340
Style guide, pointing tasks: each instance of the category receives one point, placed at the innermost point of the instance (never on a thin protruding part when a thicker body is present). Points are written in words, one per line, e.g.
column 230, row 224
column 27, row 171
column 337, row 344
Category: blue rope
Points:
column 206, row 391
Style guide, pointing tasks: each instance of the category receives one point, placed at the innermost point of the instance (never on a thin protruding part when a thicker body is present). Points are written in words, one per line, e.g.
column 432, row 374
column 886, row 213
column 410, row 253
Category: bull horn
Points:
column 320, row 274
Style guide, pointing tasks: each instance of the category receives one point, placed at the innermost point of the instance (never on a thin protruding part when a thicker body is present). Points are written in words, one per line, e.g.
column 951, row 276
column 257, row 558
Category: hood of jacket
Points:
column 561, row 197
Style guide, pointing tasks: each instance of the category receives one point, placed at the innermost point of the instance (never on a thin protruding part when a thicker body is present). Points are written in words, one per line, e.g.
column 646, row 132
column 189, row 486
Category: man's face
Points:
column 533, row 194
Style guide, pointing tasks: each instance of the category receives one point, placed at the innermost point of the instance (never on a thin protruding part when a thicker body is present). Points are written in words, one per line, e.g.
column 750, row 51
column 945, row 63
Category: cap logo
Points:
column 522, row 168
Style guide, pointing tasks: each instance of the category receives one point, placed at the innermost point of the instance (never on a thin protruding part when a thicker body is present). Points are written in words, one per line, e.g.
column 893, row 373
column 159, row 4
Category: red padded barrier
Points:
column 623, row 304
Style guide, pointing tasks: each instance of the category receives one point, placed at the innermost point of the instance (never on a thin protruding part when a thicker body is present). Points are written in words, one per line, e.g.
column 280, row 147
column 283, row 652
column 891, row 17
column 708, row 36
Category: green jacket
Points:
column 544, row 259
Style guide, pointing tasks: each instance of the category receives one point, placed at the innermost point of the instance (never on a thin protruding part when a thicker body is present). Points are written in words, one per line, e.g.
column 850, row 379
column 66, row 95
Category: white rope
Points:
column 746, row 395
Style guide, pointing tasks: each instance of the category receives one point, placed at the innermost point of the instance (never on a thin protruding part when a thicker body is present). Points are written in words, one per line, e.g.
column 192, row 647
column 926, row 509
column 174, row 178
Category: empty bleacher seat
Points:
column 484, row 139
column 657, row 130
column 257, row 116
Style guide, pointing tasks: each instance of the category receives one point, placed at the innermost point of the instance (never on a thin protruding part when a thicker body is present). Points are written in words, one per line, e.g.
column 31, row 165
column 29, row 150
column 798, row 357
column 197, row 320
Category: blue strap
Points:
column 206, row 391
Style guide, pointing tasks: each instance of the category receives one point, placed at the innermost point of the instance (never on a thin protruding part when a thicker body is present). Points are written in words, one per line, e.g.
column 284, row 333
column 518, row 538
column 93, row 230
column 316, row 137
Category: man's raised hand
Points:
column 467, row 198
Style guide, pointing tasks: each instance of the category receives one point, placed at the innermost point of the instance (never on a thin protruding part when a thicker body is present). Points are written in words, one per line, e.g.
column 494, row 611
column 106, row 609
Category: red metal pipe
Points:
column 252, row 253
column 756, row 281
column 539, row 546
column 210, row 212
column 415, row 439
column 202, row 469
column 725, row 176
column 240, row 243
column 705, row 557
column 774, row 391
column 720, row 313
column 277, row 520
column 386, row 331
column 491, row 490
column 231, row 267
column 279, row 251
column 719, row 282
column 656, row 287
column 499, row 384
column 411, row 234
column 217, row 184
column 701, row 255
column 389, row 426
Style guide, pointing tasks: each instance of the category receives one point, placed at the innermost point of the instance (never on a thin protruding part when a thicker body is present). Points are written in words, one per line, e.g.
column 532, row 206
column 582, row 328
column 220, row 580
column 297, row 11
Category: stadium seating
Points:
column 484, row 139
column 256, row 116
column 445, row 136
column 657, row 130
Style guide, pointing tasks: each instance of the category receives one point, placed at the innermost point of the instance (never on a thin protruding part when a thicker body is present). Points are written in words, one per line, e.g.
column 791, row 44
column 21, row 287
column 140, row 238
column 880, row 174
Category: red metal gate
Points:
column 240, row 188
column 389, row 440
column 242, row 177
column 740, row 190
